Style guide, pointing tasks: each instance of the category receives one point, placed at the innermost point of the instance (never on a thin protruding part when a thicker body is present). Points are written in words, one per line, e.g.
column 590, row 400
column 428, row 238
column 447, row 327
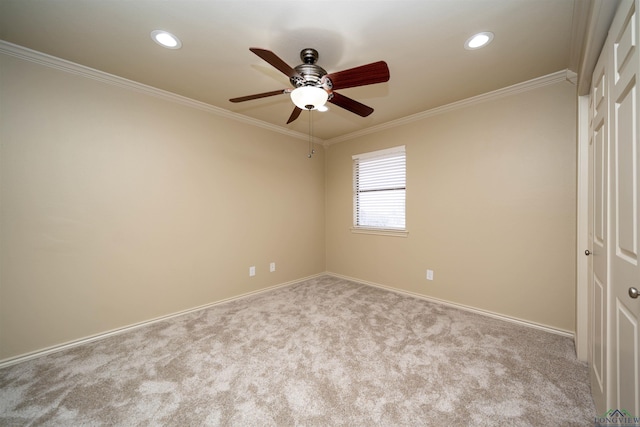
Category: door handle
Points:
column 633, row 292
column 587, row 252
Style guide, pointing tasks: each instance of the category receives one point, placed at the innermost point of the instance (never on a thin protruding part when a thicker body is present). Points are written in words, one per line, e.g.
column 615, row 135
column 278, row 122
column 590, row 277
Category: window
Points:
column 379, row 190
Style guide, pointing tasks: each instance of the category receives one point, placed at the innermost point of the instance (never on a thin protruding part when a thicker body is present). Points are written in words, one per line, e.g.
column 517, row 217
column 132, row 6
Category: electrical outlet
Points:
column 429, row 274
column 272, row 267
column 252, row 271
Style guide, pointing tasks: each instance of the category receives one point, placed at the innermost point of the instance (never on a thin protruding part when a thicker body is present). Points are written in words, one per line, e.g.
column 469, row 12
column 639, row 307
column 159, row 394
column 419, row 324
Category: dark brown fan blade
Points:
column 258, row 95
column 350, row 105
column 376, row 72
column 275, row 61
column 294, row 114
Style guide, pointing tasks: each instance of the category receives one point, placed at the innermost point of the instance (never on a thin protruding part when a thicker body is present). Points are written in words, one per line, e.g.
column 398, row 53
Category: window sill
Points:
column 380, row 231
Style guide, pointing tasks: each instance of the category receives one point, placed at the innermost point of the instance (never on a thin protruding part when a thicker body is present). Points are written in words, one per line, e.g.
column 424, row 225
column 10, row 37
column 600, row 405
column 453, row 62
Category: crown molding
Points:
column 91, row 73
column 101, row 76
column 549, row 79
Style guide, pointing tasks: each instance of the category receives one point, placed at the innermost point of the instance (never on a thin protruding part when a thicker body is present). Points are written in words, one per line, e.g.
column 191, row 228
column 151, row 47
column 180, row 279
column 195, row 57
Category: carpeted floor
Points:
column 324, row 352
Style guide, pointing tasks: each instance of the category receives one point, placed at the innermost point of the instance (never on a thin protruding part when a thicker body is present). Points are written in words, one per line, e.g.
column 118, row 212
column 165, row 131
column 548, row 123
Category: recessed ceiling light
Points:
column 166, row 39
column 478, row 40
column 322, row 108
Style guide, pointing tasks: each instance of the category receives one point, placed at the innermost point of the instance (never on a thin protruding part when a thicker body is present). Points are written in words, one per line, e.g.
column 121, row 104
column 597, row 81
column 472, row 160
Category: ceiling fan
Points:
column 313, row 86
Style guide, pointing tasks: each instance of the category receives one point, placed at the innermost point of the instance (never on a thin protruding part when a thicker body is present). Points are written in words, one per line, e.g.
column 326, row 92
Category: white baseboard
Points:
column 59, row 347
column 487, row 313
column 70, row 344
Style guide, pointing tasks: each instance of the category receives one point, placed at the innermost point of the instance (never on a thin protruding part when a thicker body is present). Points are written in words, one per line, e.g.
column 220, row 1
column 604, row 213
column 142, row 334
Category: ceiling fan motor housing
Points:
column 312, row 74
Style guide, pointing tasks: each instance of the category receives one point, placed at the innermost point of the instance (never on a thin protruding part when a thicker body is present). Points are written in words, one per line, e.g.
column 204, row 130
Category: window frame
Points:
column 368, row 229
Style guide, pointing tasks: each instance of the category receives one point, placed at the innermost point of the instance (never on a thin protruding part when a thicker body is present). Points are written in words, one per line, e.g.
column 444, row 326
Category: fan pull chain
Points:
column 311, row 150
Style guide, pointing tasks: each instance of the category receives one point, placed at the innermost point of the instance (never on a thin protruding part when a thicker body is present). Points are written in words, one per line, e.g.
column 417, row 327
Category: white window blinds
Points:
column 379, row 181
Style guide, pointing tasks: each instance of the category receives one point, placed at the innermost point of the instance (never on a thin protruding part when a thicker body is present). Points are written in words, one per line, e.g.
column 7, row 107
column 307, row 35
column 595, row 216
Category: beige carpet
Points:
column 325, row 352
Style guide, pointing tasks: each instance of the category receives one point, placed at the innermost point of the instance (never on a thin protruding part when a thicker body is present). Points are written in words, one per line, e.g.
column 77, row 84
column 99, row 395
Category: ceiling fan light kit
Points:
column 309, row 97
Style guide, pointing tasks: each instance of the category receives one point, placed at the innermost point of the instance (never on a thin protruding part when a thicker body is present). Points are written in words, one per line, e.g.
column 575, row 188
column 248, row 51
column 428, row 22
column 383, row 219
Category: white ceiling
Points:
column 422, row 42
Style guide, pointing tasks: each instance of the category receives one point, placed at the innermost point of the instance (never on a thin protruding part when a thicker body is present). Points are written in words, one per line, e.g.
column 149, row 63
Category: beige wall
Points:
column 491, row 195
column 118, row 207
